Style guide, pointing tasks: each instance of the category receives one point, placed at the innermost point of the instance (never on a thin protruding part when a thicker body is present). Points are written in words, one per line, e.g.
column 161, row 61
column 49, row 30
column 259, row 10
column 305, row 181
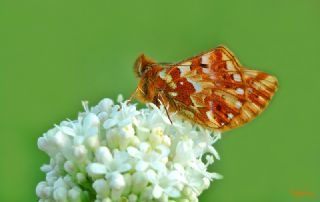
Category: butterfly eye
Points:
column 142, row 65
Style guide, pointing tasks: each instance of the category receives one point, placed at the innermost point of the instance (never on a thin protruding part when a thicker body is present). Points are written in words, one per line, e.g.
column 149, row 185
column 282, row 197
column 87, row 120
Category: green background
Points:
column 56, row 53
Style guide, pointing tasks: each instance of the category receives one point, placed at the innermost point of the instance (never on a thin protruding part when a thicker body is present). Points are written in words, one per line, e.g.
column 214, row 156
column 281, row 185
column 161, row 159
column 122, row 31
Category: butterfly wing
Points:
column 213, row 90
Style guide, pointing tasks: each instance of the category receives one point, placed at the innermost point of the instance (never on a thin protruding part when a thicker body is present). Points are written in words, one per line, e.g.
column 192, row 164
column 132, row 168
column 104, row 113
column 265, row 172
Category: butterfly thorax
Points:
column 148, row 87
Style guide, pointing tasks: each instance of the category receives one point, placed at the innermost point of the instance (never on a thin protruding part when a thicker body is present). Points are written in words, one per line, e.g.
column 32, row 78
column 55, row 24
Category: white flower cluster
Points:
column 114, row 152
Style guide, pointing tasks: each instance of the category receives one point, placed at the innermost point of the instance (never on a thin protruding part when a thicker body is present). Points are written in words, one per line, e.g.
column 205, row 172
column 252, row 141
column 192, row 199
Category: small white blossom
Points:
column 114, row 152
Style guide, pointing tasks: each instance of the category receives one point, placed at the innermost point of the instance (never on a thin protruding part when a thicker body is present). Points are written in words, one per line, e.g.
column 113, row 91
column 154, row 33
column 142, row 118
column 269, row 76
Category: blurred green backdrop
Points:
column 56, row 53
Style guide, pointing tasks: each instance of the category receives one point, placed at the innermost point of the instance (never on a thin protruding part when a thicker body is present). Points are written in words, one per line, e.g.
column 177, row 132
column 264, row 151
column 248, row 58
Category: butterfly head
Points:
column 147, row 70
column 142, row 65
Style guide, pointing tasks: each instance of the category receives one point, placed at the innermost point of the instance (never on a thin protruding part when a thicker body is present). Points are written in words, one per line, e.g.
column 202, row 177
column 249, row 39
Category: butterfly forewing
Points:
column 214, row 90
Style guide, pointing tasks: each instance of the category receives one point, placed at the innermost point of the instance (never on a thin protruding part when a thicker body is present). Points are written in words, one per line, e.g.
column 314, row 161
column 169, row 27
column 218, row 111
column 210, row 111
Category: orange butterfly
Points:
column 211, row 89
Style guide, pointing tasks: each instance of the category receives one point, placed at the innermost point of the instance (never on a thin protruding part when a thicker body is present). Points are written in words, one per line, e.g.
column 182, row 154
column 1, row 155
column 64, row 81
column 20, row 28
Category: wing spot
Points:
column 168, row 78
column 184, row 70
column 206, row 70
column 172, row 85
column 186, row 63
column 210, row 116
column 205, row 59
column 237, row 77
column 240, row 91
column 163, row 74
column 173, row 94
column 211, row 105
column 230, row 116
column 230, row 65
column 195, row 85
column 224, row 57
column 238, row 104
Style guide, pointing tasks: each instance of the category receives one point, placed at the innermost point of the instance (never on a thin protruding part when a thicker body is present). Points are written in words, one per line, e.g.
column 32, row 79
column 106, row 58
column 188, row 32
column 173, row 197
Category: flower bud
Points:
column 117, row 181
column 95, row 169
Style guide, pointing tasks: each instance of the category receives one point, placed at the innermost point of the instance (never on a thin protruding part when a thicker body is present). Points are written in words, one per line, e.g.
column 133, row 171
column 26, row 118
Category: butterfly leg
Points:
column 133, row 95
column 165, row 104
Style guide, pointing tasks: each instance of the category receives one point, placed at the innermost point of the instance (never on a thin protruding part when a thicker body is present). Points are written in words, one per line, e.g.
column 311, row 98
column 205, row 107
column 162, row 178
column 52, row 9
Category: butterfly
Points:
column 211, row 89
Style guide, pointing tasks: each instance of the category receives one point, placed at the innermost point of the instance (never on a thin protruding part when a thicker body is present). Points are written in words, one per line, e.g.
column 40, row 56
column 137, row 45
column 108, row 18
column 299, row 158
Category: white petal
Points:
column 110, row 123
column 209, row 159
column 142, row 166
column 206, row 183
column 120, row 156
column 41, row 190
column 214, row 152
column 80, row 152
column 125, row 122
column 172, row 192
column 105, row 104
column 59, row 183
column 157, row 192
column 60, row 139
column 75, row 194
column 60, row 194
column 146, row 195
column 69, row 166
column 101, row 187
column 120, row 98
column 144, row 146
column 106, row 200
column 128, row 181
column 139, row 182
column 103, row 155
column 81, row 178
column 116, row 194
column 179, row 167
column 124, row 167
column 152, row 176
column 77, row 140
column 132, row 198
column 117, row 181
column 127, row 131
column 132, row 151
column 162, row 115
column 93, row 141
column 175, row 176
column 216, row 176
column 166, row 140
column 96, row 169
column 91, row 120
column 158, row 166
column 92, row 131
column 68, row 131
column 46, row 168
column 43, row 143
column 184, row 151
column 165, row 151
